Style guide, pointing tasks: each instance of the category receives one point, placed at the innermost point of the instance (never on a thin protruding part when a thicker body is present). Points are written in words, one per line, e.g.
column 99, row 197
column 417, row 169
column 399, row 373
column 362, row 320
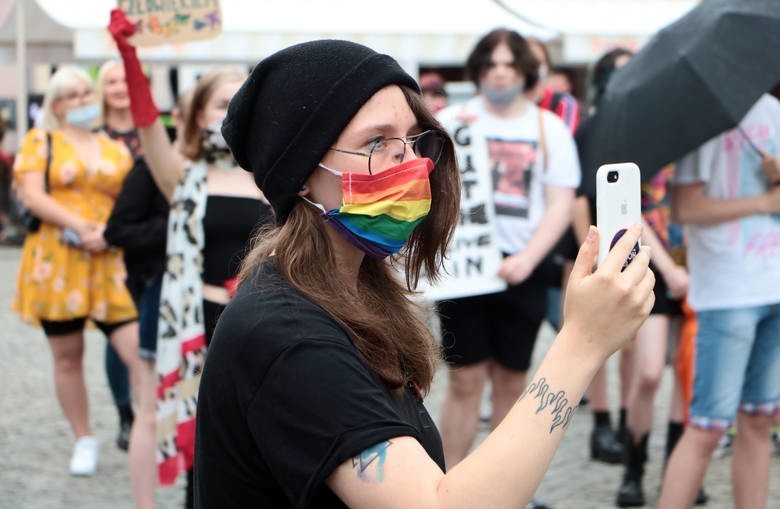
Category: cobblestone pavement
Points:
column 35, row 441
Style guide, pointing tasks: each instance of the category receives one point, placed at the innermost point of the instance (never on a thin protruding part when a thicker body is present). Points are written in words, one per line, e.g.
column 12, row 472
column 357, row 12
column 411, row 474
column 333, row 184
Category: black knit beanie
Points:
column 293, row 107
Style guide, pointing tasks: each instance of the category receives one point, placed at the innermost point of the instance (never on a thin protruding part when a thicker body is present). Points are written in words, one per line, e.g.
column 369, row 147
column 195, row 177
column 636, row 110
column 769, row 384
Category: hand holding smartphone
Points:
column 618, row 205
column 70, row 237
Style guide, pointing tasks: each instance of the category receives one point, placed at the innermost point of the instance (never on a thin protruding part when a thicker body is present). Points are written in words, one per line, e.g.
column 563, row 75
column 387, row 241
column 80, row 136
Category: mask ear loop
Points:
column 319, row 206
column 331, row 170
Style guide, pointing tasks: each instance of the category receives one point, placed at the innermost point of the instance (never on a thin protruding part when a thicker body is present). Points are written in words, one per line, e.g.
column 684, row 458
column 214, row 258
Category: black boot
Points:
column 604, row 446
column 630, row 493
column 126, row 418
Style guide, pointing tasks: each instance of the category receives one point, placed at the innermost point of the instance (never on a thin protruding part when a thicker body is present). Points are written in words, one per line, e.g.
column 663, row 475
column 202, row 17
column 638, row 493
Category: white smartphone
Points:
column 618, row 205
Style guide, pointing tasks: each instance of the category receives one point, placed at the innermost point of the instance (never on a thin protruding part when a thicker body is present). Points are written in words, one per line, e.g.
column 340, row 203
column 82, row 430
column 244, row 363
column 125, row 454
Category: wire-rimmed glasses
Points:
column 386, row 152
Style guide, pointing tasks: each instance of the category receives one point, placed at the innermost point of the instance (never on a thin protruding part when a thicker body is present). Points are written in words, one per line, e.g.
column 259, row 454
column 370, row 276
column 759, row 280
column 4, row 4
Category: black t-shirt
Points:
column 285, row 398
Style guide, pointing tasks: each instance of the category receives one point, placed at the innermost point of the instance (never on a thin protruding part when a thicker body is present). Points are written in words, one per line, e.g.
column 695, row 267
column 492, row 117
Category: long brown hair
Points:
column 205, row 87
column 390, row 330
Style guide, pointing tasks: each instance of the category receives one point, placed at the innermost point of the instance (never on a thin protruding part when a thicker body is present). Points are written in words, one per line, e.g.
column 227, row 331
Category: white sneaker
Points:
column 85, row 456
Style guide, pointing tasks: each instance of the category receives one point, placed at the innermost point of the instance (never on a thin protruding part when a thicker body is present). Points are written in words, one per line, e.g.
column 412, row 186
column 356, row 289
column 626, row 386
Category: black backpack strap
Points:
column 48, row 160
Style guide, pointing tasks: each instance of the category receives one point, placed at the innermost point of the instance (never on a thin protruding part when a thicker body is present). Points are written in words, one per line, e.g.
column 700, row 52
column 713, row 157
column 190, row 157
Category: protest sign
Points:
column 473, row 258
column 172, row 21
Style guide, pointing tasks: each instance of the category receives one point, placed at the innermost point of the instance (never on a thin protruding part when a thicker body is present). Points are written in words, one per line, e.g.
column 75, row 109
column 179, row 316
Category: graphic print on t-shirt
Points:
column 512, row 168
column 745, row 178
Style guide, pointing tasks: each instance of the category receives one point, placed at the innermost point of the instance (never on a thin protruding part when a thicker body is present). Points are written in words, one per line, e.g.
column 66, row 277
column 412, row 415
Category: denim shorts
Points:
column 737, row 365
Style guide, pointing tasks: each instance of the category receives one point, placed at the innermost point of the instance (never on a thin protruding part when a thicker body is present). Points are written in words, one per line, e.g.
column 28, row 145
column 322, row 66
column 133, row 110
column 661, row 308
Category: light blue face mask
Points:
column 83, row 116
column 501, row 97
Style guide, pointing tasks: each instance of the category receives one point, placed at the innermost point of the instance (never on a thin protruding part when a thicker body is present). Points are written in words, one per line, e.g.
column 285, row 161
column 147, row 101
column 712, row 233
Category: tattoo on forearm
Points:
column 376, row 454
column 554, row 402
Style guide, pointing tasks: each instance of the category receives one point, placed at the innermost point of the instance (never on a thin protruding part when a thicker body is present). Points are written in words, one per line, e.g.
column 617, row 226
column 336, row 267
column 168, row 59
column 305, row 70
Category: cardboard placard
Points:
column 172, row 21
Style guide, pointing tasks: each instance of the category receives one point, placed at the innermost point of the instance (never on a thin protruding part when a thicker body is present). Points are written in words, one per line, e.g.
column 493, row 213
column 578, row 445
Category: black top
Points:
column 228, row 226
column 129, row 138
column 285, row 398
column 138, row 225
column 588, row 182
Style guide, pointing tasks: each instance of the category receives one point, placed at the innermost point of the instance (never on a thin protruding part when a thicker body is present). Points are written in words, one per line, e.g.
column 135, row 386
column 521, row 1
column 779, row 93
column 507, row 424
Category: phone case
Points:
column 618, row 204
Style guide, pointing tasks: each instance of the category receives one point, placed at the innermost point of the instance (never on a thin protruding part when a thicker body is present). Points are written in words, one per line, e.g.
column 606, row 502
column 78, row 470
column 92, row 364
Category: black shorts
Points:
column 56, row 328
column 500, row 326
column 664, row 304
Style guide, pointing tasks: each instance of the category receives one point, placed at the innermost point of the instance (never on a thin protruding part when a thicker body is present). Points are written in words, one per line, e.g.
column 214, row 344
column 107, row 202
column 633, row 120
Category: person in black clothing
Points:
column 311, row 394
column 137, row 224
column 116, row 122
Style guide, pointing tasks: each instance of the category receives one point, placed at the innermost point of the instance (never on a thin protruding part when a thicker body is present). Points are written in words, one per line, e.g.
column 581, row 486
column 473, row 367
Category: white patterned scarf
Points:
column 181, row 344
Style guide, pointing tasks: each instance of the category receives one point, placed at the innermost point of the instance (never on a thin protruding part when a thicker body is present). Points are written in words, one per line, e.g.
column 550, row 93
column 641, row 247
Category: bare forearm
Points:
column 555, row 221
column 165, row 163
column 703, row 211
column 507, row 468
column 52, row 212
column 660, row 256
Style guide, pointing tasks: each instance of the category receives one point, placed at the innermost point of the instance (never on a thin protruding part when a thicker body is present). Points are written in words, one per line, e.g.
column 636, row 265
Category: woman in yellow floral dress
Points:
column 68, row 274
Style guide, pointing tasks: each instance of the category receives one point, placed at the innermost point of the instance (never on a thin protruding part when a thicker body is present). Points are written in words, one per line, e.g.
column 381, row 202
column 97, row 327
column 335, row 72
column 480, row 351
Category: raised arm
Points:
column 603, row 311
column 165, row 162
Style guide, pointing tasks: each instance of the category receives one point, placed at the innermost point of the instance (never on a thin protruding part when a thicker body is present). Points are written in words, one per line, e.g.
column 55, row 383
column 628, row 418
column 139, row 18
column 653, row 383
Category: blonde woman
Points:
column 68, row 274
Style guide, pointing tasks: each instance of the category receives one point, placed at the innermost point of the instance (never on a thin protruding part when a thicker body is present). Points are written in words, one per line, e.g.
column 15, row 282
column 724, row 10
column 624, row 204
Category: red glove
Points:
column 142, row 105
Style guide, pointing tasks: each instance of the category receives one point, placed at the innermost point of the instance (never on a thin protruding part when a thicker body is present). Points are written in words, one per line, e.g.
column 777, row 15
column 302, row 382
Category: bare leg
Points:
column 625, row 369
column 507, row 386
column 68, row 352
column 143, row 378
column 649, row 361
column 686, row 468
column 142, row 453
column 125, row 342
column 460, row 410
column 750, row 464
column 597, row 392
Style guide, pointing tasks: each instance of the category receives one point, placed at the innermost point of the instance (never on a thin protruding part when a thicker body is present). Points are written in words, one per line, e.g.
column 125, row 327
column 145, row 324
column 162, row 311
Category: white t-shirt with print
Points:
column 517, row 166
column 735, row 263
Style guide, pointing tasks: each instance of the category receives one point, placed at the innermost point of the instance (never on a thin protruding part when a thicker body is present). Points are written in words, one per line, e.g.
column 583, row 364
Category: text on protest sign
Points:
column 473, row 257
column 172, row 21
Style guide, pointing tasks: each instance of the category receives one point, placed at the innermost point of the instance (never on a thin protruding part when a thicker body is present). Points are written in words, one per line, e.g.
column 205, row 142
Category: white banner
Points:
column 473, row 258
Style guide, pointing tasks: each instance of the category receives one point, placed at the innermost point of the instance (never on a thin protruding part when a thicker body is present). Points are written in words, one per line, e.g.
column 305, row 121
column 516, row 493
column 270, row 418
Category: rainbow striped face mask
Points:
column 379, row 212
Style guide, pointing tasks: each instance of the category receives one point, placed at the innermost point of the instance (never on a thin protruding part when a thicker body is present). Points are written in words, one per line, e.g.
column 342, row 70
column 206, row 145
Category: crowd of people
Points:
column 261, row 343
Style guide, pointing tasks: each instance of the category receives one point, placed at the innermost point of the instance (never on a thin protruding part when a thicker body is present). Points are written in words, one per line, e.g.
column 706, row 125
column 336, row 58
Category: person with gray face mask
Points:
column 535, row 171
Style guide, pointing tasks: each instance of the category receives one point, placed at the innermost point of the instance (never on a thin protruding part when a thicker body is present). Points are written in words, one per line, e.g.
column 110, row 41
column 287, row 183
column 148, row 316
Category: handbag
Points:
column 30, row 221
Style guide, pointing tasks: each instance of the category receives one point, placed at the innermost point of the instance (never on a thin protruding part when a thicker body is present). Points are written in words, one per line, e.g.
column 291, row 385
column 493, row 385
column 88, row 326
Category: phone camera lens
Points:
column 612, row 176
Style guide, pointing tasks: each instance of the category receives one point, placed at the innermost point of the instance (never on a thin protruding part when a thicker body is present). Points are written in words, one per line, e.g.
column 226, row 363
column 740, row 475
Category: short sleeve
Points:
column 32, row 153
column 563, row 168
column 697, row 166
column 319, row 405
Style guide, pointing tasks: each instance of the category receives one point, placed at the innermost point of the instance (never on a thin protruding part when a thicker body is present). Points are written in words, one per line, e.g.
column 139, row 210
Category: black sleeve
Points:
column 139, row 219
column 582, row 140
column 318, row 406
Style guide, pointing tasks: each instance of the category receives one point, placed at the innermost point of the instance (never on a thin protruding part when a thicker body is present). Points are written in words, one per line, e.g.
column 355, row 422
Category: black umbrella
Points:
column 693, row 80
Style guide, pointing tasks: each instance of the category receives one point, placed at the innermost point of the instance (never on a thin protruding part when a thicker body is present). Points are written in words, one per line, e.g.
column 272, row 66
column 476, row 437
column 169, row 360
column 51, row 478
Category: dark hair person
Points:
column 311, row 394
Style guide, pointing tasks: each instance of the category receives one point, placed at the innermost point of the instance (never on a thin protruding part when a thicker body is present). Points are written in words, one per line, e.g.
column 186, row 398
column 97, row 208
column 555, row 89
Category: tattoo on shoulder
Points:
column 556, row 403
column 375, row 455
